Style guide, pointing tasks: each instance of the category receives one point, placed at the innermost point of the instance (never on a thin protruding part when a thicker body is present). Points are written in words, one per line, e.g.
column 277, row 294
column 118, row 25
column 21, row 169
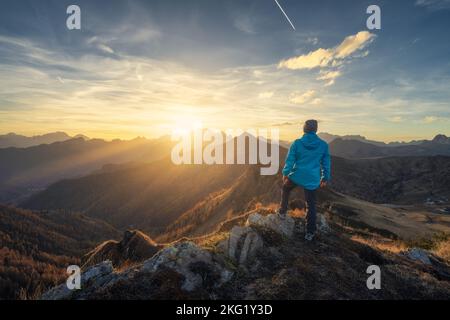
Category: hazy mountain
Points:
column 20, row 141
column 357, row 149
column 169, row 201
column 36, row 248
column 331, row 137
column 25, row 170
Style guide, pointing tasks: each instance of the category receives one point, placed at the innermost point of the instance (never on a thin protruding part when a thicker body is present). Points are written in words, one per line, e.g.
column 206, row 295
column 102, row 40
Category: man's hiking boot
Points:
column 309, row 236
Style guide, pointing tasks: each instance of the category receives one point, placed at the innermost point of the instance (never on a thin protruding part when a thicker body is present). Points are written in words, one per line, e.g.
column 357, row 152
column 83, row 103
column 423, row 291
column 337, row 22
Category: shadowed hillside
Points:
column 36, row 248
column 26, row 170
column 162, row 198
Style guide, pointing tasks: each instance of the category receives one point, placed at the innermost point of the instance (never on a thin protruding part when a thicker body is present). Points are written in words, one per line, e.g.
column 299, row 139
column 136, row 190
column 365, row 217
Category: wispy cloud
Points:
column 430, row 119
column 266, row 95
column 396, row 119
column 434, row 4
column 329, row 76
column 303, row 98
column 321, row 58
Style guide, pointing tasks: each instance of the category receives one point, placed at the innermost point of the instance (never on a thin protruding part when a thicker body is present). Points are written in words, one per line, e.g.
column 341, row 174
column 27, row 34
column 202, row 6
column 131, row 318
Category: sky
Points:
column 149, row 67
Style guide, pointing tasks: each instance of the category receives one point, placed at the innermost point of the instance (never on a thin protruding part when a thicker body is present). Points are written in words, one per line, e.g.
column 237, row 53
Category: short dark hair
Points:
column 310, row 126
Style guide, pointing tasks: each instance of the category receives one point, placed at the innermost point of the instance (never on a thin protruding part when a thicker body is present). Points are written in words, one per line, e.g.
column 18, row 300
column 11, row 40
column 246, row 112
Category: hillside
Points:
column 36, row 248
column 260, row 257
column 163, row 200
column 403, row 180
column 150, row 197
column 26, row 170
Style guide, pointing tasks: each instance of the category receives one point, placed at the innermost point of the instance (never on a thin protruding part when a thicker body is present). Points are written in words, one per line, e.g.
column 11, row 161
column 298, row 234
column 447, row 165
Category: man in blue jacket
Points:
column 308, row 166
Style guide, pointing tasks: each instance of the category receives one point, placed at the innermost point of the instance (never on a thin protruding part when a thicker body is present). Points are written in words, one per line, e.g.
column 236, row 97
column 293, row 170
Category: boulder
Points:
column 194, row 263
column 284, row 227
column 253, row 243
column 94, row 277
column 242, row 245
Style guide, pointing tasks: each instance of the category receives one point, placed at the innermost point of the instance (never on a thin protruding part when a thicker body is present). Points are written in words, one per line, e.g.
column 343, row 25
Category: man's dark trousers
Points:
column 310, row 198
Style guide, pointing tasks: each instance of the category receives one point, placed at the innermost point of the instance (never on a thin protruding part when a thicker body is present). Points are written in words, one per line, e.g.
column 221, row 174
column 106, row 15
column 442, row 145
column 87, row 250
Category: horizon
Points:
column 147, row 68
column 75, row 135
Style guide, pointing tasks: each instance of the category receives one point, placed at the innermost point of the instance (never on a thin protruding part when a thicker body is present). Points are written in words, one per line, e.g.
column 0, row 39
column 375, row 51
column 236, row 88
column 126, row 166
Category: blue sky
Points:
column 145, row 67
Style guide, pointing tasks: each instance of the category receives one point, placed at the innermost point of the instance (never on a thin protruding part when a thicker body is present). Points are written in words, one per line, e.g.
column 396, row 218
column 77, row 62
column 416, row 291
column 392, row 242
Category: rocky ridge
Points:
column 265, row 257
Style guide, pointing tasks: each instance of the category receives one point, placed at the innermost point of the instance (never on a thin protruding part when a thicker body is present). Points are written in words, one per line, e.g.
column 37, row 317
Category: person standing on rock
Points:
column 307, row 166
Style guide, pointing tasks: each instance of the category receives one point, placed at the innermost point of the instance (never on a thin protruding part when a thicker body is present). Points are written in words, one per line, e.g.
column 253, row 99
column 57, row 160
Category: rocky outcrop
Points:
column 93, row 278
column 134, row 247
column 266, row 257
column 242, row 245
column 245, row 242
column 283, row 226
column 194, row 263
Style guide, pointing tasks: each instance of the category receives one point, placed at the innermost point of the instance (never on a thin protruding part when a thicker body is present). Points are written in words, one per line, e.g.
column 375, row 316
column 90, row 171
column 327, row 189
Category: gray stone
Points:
column 180, row 258
column 93, row 278
column 235, row 237
column 242, row 245
column 284, row 226
column 418, row 255
column 99, row 270
column 253, row 243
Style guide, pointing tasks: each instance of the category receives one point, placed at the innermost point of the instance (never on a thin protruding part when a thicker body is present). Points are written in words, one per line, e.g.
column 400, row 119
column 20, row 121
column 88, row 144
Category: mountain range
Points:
column 360, row 149
column 167, row 200
column 25, row 170
column 80, row 195
column 20, row 141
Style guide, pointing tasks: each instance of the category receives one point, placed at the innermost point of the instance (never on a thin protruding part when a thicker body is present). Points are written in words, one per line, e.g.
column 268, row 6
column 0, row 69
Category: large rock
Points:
column 242, row 245
column 93, row 278
column 194, row 263
column 273, row 222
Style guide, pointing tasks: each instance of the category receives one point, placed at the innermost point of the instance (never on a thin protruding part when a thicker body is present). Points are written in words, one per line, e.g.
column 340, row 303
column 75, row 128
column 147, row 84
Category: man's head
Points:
column 310, row 126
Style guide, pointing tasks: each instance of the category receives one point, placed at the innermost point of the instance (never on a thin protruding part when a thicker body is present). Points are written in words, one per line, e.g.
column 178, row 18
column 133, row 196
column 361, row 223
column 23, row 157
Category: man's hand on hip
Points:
column 323, row 183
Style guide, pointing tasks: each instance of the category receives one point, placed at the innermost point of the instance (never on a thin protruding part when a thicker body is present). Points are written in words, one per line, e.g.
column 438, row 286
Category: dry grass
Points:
column 442, row 250
column 384, row 244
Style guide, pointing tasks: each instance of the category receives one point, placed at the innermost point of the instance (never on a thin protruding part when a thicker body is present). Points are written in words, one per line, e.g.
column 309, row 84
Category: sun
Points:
column 185, row 125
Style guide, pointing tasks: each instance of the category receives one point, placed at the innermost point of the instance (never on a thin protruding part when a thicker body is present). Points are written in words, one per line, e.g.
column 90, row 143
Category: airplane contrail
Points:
column 289, row 20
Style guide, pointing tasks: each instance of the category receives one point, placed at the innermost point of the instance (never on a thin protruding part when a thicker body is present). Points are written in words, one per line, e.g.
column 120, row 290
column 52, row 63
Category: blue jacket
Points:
column 308, row 162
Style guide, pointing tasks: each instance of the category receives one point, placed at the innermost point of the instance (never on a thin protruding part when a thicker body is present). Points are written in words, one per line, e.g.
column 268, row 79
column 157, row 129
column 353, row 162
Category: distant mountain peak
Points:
column 441, row 138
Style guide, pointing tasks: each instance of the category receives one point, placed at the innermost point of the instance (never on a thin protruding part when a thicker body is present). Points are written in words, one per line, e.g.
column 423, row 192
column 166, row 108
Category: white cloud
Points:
column 396, row 119
column 100, row 45
column 328, row 57
column 245, row 24
column 316, row 101
column 302, row 98
column 329, row 76
column 266, row 95
column 319, row 58
column 430, row 119
column 434, row 4
column 313, row 40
